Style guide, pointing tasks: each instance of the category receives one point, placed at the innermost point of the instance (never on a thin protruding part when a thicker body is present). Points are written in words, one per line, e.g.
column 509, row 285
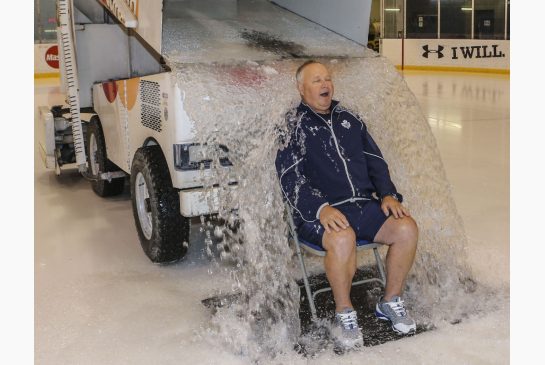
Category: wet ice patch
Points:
column 271, row 43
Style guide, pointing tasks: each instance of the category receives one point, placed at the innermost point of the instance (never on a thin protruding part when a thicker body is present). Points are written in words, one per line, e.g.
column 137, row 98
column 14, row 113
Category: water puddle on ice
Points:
column 242, row 106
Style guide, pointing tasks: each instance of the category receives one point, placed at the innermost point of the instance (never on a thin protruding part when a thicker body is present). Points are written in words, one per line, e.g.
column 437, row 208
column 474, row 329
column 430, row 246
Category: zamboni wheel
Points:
column 156, row 207
column 98, row 161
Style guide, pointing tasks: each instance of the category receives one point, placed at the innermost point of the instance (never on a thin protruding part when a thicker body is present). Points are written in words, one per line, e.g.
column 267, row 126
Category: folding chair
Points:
column 317, row 250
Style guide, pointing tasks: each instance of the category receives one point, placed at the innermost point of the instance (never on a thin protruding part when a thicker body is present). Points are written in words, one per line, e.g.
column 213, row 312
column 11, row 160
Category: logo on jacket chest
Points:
column 346, row 124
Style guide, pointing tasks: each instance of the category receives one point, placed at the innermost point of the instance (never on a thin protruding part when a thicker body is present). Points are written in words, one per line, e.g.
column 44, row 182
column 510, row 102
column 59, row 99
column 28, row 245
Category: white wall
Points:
column 460, row 53
column 349, row 18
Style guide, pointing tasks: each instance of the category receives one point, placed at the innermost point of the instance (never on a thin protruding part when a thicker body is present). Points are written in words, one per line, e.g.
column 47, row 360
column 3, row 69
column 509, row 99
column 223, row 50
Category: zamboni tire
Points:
column 96, row 154
column 156, row 207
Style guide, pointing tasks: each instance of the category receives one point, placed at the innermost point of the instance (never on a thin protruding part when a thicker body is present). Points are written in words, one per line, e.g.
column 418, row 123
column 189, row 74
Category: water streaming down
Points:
column 242, row 105
column 231, row 105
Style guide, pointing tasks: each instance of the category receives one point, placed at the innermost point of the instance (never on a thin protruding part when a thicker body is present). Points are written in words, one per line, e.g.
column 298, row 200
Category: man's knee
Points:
column 407, row 226
column 398, row 230
column 340, row 243
column 406, row 229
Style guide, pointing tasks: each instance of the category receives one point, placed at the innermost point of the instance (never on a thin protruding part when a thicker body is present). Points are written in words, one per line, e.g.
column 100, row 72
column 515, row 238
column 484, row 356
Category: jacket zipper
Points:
column 330, row 125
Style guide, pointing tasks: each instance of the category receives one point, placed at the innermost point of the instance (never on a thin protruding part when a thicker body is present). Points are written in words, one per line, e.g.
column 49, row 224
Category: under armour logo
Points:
column 428, row 51
column 346, row 124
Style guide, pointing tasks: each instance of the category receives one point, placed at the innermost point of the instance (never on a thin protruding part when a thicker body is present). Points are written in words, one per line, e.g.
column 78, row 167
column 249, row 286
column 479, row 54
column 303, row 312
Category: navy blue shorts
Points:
column 365, row 218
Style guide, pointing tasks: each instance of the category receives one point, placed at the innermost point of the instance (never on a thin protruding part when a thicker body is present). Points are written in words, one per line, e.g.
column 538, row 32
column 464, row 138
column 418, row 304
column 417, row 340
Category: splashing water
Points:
column 242, row 105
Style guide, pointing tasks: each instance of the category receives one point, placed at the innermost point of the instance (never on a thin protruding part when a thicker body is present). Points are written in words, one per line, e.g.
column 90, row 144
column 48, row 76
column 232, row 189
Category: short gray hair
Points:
column 299, row 73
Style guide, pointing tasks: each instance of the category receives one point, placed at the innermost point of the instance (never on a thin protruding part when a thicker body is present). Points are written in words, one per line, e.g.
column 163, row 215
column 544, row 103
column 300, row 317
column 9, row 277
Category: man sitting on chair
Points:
column 335, row 179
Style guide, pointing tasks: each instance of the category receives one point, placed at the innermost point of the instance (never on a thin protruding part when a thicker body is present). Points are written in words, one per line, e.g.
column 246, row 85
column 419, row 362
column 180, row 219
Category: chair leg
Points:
column 303, row 269
column 305, row 281
column 380, row 266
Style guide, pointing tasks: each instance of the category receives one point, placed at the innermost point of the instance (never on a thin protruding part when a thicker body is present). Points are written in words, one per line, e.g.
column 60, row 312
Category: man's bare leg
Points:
column 340, row 265
column 401, row 235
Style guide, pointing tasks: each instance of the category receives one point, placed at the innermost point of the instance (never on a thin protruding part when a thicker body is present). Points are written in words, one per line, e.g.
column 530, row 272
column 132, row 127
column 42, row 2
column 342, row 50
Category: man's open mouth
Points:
column 325, row 94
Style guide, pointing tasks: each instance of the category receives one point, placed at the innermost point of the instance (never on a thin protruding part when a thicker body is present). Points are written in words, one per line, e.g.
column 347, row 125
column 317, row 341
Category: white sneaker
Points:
column 394, row 311
column 345, row 331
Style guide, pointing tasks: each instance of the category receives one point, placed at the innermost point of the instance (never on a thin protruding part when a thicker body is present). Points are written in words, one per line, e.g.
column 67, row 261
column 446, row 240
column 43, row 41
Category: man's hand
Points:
column 390, row 204
column 332, row 218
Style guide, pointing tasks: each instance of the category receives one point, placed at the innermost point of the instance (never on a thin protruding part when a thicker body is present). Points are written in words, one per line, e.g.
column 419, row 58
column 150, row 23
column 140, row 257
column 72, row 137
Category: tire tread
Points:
column 170, row 228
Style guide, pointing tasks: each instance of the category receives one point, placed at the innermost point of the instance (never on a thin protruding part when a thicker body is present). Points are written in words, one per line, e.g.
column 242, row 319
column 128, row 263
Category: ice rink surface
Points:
column 98, row 299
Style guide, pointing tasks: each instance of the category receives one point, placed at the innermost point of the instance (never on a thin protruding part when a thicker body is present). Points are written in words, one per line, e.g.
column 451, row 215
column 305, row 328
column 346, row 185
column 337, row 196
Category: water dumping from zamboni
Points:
column 237, row 83
column 242, row 105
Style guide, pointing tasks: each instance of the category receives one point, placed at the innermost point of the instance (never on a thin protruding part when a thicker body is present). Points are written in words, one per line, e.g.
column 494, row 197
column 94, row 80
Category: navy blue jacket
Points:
column 329, row 159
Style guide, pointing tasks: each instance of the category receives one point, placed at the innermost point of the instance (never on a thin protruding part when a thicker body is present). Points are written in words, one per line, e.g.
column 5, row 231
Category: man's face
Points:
column 316, row 87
